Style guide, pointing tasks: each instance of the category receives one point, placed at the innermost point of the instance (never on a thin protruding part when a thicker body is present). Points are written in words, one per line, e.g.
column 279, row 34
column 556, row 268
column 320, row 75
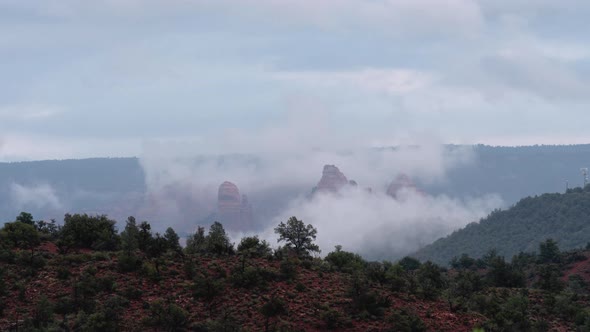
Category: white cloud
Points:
column 380, row 227
column 37, row 196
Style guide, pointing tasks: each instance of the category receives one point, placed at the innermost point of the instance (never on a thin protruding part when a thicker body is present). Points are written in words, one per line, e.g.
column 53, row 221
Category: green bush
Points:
column 7, row 256
column 345, row 261
column 300, row 287
column 364, row 300
column 273, row 308
column 43, row 313
column 92, row 232
column 225, row 323
column 2, row 282
column 404, row 320
column 2, row 306
column 127, row 262
column 208, row 289
column 63, row 273
column 149, row 270
column 132, row 292
column 253, row 247
column 249, row 277
column 333, row 319
column 167, row 316
column 288, row 268
column 65, row 306
column 430, row 280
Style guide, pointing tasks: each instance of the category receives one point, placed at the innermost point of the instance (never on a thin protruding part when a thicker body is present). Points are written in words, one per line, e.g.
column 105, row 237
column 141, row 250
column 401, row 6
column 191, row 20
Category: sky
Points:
column 110, row 77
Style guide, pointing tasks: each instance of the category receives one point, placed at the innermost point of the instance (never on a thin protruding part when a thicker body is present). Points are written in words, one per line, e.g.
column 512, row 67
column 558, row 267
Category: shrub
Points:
column 404, row 320
column 253, row 247
column 43, row 313
column 208, row 289
column 273, row 308
column 127, row 262
column 2, row 282
column 333, row 319
column 365, row 301
column 149, row 270
column 132, row 293
column 288, row 269
column 511, row 316
column 549, row 278
column 64, row 306
column 409, row 263
column 106, row 284
column 92, row 232
column 226, row 323
column 345, row 261
column 398, row 278
column 63, row 273
column 300, row 287
column 248, row 277
column 167, row 316
column 430, row 280
column 7, row 256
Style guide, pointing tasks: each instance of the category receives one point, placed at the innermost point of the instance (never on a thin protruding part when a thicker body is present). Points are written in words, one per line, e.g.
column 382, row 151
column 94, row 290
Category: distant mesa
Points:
column 233, row 209
column 332, row 180
column 402, row 182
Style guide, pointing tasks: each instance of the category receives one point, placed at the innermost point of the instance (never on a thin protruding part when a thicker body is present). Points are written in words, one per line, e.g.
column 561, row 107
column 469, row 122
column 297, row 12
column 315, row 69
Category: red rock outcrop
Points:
column 332, row 180
column 233, row 209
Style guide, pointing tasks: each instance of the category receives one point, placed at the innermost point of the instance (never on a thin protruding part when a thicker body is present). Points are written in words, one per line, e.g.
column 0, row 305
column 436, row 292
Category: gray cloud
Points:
column 131, row 70
column 539, row 76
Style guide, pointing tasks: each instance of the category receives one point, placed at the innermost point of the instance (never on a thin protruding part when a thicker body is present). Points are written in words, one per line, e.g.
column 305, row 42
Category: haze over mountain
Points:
column 467, row 182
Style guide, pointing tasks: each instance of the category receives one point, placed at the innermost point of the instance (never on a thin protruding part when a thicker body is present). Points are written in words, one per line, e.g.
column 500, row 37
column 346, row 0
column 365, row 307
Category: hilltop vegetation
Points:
column 86, row 276
column 562, row 217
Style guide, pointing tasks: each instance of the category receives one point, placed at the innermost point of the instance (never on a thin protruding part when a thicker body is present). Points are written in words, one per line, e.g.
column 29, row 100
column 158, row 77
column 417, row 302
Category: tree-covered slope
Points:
column 562, row 217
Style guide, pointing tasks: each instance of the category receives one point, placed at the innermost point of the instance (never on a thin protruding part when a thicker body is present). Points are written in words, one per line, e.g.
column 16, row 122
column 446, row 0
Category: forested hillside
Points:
column 85, row 276
column 562, row 217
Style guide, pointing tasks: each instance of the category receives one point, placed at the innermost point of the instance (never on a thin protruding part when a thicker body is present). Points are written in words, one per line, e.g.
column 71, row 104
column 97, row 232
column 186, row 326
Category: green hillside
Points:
column 562, row 217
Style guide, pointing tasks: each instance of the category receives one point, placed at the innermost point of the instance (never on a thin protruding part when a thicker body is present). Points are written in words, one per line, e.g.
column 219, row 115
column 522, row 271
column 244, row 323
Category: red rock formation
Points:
column 229, row 204
column 233, row 209
column 402, row 182
column 332, row 179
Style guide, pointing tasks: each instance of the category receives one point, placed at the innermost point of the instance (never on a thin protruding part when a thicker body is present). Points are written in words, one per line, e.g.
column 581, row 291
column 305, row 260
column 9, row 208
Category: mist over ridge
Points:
column 461, row 184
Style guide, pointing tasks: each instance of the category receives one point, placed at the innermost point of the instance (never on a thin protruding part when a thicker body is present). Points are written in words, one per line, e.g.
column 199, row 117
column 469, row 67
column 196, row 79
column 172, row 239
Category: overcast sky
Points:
column 106, row 77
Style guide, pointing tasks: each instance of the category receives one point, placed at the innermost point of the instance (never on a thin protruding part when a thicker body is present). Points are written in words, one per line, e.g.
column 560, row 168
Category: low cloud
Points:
column 381, row 227
column 35, row 196
column 280, row 170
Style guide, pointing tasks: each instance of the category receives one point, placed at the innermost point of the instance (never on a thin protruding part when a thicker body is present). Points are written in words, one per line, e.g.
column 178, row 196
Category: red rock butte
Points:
column 233, row 209
column 332, row 179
